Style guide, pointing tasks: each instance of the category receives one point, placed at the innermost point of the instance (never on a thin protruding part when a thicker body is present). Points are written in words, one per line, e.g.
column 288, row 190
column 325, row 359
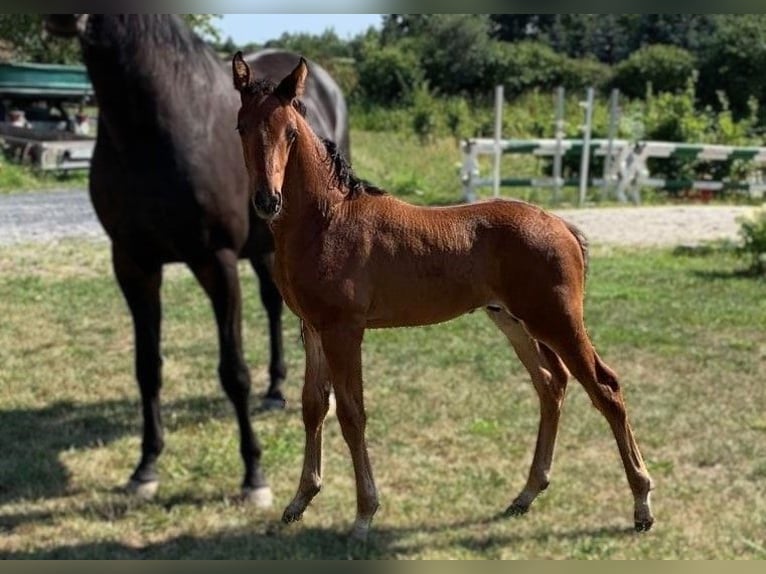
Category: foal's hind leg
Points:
column 219, row 277
column 549, row 378
column 263, row 265
column 140, row 285
column 570, row 340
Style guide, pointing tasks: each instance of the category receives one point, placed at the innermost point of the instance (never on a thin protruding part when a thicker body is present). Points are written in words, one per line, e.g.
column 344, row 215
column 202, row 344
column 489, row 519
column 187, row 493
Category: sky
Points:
column 245, row 28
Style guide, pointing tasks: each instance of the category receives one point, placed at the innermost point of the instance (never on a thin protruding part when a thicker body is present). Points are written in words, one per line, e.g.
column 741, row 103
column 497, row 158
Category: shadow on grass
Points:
column 32, row 440
column 711, row 248
column 276, row 542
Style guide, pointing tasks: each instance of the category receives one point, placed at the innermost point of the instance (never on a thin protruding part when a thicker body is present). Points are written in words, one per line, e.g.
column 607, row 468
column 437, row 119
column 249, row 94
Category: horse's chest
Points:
column 312, row 288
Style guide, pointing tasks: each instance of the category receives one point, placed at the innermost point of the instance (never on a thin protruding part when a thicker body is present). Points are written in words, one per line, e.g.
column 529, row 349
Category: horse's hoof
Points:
column 260, row 497
column 516, row 509
column 273, row 404
column 291, row 515
column 143, row 490
column 644, row 525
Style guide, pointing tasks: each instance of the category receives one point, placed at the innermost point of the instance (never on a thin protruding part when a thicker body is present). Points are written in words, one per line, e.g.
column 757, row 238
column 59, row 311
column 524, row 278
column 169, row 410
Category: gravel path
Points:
column 52, row 215
column 657, row 225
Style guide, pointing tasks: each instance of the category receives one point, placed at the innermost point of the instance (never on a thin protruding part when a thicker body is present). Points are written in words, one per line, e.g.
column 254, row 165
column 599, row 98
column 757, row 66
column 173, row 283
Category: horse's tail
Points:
column 583, row 241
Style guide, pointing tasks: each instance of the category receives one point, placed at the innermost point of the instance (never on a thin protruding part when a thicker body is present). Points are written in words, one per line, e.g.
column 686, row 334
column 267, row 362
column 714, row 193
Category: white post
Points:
column 613, row 117
column 498, row 135
column 559, row 134
column 588, row 105
column 469, row 171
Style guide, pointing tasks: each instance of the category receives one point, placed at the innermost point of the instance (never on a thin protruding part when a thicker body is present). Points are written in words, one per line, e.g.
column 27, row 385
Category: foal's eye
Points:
column 292, row 133
column 239, row 129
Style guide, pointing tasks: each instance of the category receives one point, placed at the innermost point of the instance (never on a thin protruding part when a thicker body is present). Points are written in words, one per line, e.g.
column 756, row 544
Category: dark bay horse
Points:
column 168, row 185
column 349, row 257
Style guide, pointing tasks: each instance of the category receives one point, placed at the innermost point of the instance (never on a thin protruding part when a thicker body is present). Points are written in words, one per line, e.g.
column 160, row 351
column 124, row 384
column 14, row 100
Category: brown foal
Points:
column 349, row 257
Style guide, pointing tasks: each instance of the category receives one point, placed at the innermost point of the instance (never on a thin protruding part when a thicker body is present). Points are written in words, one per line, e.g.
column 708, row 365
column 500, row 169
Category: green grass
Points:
column 16, row 178
column 452, row 421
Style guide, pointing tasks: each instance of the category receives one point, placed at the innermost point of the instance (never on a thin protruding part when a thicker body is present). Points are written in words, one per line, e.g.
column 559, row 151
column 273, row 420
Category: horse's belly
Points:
column 416, row 309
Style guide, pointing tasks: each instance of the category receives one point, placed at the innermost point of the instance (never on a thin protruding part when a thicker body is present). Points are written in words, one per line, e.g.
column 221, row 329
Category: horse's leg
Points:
column 218, row 276
column 549, row 378
column 263, row 265
column 316, row 392
column 140, row 285
column 343, row 352
column 566, row 334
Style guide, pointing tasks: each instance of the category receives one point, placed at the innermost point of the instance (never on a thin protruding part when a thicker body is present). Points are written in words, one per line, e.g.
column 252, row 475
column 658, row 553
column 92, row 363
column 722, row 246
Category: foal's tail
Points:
column 583, row 241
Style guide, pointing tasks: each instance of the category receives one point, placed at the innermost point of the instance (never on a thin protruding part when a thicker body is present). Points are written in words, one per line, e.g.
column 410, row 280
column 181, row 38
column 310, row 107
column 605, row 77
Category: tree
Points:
column 398, row 26
column 322, row 48
column 456, row 51
column 204, row 25
column 515, row 27
column 688, row 31
column 25, row 40
column 733, row 60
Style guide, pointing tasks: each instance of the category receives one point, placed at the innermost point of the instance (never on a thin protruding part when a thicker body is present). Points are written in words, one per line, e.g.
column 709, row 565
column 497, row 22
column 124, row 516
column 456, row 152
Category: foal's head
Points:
column 268, row 124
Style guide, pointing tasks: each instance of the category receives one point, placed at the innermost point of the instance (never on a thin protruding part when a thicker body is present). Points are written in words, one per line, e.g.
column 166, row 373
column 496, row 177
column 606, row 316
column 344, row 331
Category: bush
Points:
column 424, row 114
column 753, row 232
column 582, row 73
column 388, row 75
column 666, row 68
column 678, row 118
column 523, row 66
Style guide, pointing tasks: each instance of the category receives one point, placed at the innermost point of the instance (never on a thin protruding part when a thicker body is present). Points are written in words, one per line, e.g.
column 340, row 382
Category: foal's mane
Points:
column 344, row 175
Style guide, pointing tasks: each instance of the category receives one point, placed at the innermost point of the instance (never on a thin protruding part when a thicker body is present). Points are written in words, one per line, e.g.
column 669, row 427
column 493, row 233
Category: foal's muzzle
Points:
column 267, row 204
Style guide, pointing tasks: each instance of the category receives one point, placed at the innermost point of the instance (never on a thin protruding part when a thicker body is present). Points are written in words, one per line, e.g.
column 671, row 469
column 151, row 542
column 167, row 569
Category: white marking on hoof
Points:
column 260, row 497
column 142, row 490
column 643, row 515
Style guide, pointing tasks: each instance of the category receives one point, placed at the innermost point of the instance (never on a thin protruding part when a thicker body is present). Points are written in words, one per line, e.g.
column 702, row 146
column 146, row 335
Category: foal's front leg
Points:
column 315, row 402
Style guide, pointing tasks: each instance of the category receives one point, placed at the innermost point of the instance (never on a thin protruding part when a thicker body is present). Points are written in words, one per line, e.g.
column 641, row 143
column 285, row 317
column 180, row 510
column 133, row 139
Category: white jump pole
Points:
column 559, row 134
column 498, row 134
column 614, row 111
column 588, row 104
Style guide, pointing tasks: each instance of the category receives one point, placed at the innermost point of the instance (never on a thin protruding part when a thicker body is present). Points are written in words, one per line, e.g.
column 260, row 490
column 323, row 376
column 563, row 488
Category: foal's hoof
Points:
column 360, row 532
column 143, row 490
column 291, row 515
column 516, row 509
column 644, row 525
column 260, row 497
column 356, row 544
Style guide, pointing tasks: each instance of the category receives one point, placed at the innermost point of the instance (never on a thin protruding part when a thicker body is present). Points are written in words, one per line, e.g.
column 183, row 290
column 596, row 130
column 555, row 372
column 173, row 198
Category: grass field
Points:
column 452, row 422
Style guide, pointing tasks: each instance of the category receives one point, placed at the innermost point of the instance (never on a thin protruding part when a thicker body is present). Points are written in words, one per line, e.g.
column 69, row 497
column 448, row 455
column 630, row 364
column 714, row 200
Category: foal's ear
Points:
column 293, row 85
column 243, row 76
